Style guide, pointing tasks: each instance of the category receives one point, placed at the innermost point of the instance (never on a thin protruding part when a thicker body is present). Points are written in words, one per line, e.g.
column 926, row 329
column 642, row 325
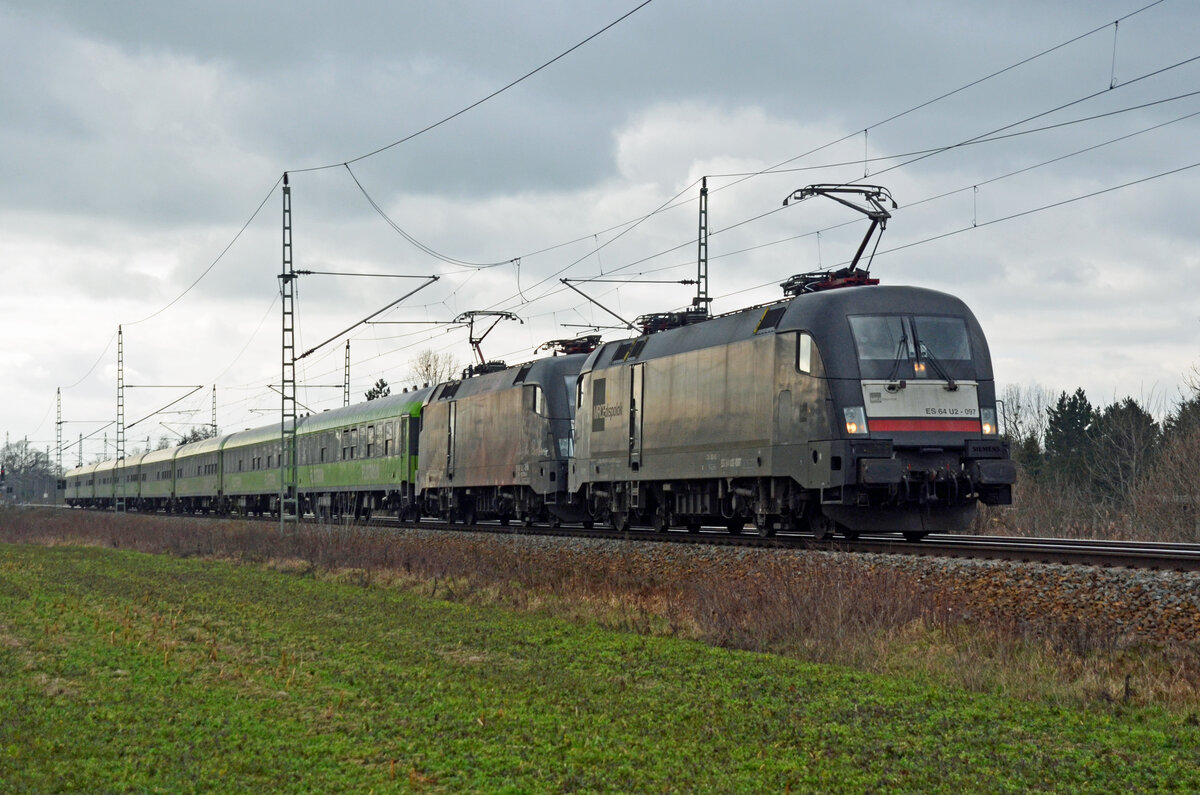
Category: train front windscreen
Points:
column 912, row 347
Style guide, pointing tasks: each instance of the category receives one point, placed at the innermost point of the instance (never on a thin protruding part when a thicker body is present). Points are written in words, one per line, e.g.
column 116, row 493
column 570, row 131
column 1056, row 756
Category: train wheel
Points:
column 735, row 525
column 765, row 527
column 693, row 527
column 588, row 524
column 660, row 522
column 913, row 535
column 619, row 521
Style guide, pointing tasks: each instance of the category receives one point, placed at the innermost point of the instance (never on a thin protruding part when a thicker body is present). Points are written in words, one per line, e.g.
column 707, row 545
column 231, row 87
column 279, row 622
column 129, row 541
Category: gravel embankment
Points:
column 1126, row 604
column 1137, row 603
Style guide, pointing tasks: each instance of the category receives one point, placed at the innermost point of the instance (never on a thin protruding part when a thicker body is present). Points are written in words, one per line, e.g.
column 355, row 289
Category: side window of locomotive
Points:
column 534, row 399
column 804, row 353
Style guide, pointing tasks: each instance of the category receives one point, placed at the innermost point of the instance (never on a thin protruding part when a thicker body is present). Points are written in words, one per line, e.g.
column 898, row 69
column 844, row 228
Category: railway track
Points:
column 1064, row 551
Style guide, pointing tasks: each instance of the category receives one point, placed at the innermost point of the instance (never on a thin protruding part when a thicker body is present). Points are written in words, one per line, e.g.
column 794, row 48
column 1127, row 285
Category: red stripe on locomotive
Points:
column 940, row 426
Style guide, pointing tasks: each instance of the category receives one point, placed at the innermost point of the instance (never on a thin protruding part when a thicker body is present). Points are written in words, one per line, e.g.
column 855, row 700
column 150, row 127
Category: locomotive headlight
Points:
column 987, row 419
column 856, row 420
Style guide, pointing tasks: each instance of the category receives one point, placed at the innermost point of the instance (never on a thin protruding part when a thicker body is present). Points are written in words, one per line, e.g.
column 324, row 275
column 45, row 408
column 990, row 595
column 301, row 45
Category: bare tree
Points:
column 1023, row 410
column 26, row 474
column 1024, row 413
column 431, row 367
column 1168, row 500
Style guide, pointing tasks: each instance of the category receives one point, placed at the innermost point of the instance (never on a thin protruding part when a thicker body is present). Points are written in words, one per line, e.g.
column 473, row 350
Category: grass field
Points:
column 123, row 671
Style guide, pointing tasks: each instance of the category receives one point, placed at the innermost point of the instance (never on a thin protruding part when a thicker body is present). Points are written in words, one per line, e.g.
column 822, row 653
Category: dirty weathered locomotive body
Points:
column 862, row 409
column 497, row 443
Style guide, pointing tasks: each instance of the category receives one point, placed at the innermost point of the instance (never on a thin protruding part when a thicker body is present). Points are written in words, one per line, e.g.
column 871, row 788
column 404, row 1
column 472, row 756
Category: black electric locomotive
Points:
column 860, row 409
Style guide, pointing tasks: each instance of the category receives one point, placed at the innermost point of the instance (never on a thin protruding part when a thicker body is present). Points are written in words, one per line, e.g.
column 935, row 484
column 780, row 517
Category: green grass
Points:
column 121, row 671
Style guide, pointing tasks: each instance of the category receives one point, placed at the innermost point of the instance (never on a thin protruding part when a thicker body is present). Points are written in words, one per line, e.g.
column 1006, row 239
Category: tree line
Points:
column 1103, row 470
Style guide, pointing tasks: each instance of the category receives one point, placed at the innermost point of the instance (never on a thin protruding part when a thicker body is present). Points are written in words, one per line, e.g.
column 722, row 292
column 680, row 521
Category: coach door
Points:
column 636, row 390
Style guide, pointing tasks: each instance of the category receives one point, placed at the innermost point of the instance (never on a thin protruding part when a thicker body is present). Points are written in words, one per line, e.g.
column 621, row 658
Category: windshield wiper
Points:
column 901, row 350
column 937, row 366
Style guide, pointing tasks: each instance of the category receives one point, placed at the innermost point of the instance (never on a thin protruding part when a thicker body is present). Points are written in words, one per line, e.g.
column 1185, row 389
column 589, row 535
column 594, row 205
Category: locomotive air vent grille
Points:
column 770, row 318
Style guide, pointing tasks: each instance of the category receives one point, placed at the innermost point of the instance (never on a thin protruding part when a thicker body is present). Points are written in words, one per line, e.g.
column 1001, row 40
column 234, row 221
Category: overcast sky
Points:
column 139, row 138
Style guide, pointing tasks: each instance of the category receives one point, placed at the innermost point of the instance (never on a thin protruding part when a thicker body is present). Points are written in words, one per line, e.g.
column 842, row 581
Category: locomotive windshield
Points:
column 912, row 346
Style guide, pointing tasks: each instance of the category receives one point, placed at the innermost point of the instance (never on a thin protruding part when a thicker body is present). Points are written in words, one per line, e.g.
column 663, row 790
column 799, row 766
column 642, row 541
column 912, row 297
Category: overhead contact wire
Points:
column 492, row 95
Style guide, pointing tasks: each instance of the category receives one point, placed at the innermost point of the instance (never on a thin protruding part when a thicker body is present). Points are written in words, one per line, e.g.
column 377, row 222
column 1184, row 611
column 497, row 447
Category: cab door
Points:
column 451, row 416
column 636, row 393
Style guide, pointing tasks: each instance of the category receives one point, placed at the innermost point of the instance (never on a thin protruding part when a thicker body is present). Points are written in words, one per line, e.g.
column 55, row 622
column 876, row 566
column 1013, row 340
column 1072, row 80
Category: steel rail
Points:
column 1166, row 556
column 1063, row 551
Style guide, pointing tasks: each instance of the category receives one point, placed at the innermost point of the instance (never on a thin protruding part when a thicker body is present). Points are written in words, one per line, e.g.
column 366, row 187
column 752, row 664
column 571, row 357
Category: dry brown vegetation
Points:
column 814, row 606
